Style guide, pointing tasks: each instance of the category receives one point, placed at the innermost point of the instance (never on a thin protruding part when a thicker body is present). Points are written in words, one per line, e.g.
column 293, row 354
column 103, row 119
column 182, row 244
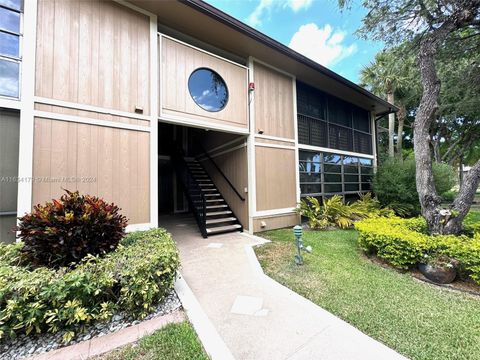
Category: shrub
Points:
column 404, row 242
column 64, row 231
column 333, row 212
column 395, row 186
column 138, row 274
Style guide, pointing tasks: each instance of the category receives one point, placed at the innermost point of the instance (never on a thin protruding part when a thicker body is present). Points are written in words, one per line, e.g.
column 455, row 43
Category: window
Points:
column 10, row 50
column 327, row 174
column 326, row 121
column 208, row 89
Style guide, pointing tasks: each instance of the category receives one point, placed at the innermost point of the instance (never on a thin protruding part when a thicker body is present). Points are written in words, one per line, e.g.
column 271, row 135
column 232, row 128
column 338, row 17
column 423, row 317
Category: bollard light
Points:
column 297, row 232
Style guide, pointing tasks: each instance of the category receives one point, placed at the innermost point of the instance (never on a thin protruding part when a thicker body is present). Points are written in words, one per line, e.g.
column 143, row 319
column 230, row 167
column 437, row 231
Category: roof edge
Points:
column 228, row 20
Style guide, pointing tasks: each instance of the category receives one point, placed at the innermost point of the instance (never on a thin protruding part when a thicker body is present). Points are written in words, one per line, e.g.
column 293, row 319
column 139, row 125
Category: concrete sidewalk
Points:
column 256, row 317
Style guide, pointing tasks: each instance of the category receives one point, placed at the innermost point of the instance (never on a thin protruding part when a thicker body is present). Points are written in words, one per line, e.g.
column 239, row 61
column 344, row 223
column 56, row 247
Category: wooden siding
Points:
column 234, row 166
column 9, row 146
column 106, row 162
column 275, row 177
column 275, row 222
column 273, row 102
column 178, row 62
column 93, row 52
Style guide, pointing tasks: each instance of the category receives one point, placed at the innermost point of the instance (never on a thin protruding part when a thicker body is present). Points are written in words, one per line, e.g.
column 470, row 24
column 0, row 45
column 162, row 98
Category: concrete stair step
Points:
column 217, row 213
column 223, row 229
column 221, row 220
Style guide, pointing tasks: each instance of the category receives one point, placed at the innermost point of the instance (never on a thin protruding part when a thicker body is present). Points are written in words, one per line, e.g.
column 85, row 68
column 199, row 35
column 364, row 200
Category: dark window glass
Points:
column 333, row 168
column 310, row 188
column 9, row 78
column 350, row 160
column 312, row 177
column 350, row 169
column 9, row 44
column 350, row 198
column 12, row 4
column 303, row 130
column 351, row 178
column 333, row 178
column 310, row 101
column 366, row 178
column 318, row 133
column 208, row 90
column 351, row 187
column 361, row 120
column 366, row 170
column 366, row 186
column 333, row 188
column 9, row 20
column 339, row 112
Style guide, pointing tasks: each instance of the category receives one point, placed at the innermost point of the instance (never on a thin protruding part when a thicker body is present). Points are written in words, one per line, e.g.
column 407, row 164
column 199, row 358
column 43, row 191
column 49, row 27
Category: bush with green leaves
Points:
column 64, row 231
column 334, row 212
column 403, row 243
column 395, row 187
column 131, row 279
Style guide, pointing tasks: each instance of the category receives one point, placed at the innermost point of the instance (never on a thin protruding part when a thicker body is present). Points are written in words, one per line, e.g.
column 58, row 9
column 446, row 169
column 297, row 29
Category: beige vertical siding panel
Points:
column 59, row 158
column 134, row 166
column 85, row 54
column 83, row 157
column 73, row 68
column 143, row 176
column 105, row 163
column 275, row 177
column 94, row 77
column 124, row 172
column 273, row 102
column 41, row 159
column 143, row 68
column 61, row 51
column 72, row 154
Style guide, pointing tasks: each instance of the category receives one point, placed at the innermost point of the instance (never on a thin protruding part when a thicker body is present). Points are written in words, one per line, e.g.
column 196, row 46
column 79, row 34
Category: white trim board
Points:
column 202, row 124
column 334, row 151
column 276, row 146
column 85, row 107
column 273, row 212
column 275, row 138
column 89, row 121
column 252, row 186
column 10, row 103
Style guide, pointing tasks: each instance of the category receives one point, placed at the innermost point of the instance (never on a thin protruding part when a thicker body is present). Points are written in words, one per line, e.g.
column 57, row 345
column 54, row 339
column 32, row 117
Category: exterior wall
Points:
column 107, row 162
column 275, row 222
column 93, row 52
column 274, row 151
column 178, row 62
column 9, row 146
column 95, row 99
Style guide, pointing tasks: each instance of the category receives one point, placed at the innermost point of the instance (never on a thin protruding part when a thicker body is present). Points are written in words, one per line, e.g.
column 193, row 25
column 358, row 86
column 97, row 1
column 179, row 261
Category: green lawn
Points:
column 419, row 320
column 173, row 342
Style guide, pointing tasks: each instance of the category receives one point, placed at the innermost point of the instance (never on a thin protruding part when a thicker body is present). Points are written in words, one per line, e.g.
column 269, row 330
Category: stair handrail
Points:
column 190, row 186
column 205, row 152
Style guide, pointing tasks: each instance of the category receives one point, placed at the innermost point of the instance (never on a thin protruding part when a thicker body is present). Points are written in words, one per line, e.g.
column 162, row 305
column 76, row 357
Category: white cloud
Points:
column 266, row 6
column 323, row 45
column 297, row 5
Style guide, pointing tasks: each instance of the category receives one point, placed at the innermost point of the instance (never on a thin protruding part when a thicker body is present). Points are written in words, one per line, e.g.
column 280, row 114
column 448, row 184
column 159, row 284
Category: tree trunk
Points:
column 391, row 125
column 401, row 115
column 463, row 201
column 460, row 172
column 429, row 200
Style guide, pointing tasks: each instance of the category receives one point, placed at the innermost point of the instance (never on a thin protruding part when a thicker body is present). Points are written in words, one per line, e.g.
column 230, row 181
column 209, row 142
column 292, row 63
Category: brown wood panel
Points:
column 275, row 177
column 93, row 52
column 234, row 166
column 275, row 222
column 273, row 102
column 178, row 62
column 107, row 162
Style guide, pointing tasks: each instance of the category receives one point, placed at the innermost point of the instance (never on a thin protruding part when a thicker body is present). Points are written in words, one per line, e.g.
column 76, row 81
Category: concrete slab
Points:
column 287, row 326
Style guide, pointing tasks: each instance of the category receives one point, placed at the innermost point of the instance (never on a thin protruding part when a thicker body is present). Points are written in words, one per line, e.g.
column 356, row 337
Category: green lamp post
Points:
column 297, row 231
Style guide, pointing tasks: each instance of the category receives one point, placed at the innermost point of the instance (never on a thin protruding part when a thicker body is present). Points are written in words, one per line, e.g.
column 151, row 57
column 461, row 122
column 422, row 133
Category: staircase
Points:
column 211, row 211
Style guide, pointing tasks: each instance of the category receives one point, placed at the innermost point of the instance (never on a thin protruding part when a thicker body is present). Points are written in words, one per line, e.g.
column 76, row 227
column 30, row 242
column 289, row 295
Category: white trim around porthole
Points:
column 334, row 151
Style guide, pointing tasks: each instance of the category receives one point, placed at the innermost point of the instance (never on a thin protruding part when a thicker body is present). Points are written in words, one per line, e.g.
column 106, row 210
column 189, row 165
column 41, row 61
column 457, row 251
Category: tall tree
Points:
column 429, row 23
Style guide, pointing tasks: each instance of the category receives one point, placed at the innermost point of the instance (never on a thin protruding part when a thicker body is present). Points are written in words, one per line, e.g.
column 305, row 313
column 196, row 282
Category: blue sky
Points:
column 315, row 28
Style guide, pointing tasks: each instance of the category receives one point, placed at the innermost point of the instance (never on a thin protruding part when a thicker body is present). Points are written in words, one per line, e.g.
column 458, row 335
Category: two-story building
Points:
column 166, row 107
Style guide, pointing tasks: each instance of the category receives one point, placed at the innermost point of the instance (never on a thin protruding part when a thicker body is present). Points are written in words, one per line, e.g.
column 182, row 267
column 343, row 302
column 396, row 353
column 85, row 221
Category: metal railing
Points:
column 205, row 152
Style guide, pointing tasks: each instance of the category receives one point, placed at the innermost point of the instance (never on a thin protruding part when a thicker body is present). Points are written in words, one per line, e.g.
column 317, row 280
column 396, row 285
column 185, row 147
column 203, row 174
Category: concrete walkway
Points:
column 256, row 317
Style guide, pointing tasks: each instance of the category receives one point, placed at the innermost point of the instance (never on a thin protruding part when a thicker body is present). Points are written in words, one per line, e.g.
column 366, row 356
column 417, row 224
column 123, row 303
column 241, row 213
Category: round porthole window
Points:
column 208, row 89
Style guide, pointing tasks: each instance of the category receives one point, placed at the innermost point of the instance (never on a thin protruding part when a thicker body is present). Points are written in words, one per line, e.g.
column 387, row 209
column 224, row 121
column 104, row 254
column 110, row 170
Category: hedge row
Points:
column 404, row 242
column 138, row 274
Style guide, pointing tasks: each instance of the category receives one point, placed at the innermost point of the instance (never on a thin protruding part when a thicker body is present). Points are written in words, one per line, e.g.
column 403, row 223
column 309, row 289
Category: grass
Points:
column 173, row 342
column 419, row 320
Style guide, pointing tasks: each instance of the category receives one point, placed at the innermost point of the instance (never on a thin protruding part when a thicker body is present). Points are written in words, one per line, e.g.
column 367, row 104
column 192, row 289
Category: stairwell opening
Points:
column 202, row 176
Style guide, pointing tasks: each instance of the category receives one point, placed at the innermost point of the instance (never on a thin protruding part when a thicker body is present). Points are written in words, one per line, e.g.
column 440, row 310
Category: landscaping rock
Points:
column 24, row 346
